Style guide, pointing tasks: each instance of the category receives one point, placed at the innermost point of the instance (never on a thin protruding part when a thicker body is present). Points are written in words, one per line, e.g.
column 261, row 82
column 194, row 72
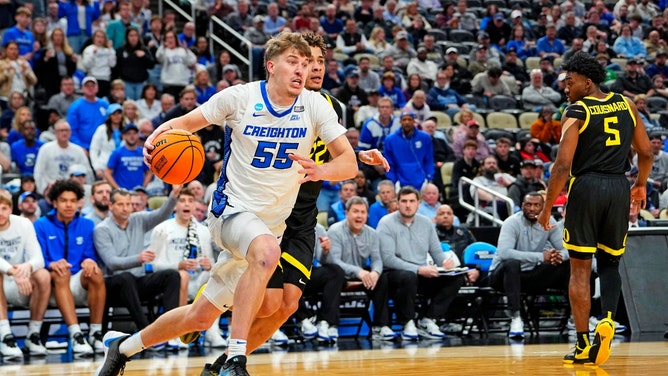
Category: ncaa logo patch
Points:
column 258, row 107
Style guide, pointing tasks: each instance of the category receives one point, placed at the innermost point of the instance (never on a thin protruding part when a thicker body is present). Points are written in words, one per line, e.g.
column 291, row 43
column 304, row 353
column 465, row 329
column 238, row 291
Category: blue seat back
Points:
column 480, row 253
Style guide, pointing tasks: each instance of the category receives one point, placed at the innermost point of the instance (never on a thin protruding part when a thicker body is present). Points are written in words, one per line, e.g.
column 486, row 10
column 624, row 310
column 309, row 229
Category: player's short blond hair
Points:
column 284, row 41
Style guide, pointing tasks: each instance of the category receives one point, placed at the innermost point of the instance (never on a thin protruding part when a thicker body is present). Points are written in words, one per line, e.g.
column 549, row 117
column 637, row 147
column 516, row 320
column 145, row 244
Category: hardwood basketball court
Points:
column 628, row 358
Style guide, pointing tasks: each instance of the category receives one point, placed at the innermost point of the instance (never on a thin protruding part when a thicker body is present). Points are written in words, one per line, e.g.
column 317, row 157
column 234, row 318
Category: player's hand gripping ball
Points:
column 178, row 156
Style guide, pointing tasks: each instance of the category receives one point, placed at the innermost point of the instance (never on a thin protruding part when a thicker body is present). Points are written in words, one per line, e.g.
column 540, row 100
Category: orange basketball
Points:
column 178, row 156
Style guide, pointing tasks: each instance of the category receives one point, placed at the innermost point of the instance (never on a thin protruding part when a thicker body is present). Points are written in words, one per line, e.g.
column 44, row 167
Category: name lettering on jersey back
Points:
column 601, row 109
column 273, row 132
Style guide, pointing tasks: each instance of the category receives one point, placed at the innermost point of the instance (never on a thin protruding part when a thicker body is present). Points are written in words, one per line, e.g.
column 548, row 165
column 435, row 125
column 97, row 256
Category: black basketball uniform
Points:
column 298, row 240
column 599, row 193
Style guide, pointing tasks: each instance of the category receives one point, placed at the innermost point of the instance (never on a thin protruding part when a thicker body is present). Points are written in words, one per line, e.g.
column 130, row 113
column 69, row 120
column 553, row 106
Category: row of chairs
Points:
column 494, row 120
column 479, row 307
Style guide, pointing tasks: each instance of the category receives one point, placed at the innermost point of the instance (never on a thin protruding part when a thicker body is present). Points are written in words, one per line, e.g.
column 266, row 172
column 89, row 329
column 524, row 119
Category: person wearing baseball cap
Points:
column 87, row 113
column 409, row 141
column 498, row 30
column 401, row 50
column 550, row 45
column 388, row 88
column 659, row 65
column 470, row 131
column 492, row 56
column 27, row 205
column 20, row 33
column 126, row 168
column 422, row 66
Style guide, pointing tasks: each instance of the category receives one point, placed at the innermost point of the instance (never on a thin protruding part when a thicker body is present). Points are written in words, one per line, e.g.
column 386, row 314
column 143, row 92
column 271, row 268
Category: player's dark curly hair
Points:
column 61, row 186
column 586, row 65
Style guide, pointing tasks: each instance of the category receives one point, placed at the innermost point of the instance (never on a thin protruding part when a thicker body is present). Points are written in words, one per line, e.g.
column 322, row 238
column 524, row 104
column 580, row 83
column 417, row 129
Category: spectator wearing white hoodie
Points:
column 98, row 59
column 177, row 63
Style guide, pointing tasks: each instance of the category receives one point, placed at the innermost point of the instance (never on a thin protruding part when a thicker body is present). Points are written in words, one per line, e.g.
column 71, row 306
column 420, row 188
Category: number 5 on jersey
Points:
column 614, row 139
column 273, row 154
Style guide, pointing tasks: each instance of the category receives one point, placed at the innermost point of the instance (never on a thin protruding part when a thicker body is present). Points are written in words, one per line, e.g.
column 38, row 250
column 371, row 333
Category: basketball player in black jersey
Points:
column 286, row 286
column 598, row 130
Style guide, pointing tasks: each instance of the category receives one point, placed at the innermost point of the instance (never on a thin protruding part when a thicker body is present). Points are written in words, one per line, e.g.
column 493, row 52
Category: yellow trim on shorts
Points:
column 294, row 262
column 580, row 249
column 614, row 252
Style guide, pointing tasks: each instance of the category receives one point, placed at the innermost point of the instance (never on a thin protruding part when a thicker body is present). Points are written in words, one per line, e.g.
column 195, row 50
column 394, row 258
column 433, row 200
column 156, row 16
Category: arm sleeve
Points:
column 112, row 58
column 159, row 238
column 365, row 138
column 153, row 218
column 510, row 231
column 89, row 249
column 376, row 260
column 388, row 250
column 33, row 250
column 104, row 244
column 40, row 235
column 435, row 249
column 336, row 253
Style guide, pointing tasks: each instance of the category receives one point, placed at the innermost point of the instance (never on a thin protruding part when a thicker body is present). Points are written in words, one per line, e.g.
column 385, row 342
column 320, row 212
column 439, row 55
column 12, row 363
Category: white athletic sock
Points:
column 94, row 328
column 5, row 329
column 74, row 329
column 131, row 345
column 236, row 347
column 34, row 327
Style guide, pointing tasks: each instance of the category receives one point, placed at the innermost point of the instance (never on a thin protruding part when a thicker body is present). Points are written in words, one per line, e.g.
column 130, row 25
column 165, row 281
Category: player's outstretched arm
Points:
column 342, row 166
column 645, row 159
column 191, row 122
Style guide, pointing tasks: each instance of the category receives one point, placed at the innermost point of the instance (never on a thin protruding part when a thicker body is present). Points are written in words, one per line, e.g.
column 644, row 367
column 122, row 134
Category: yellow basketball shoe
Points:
column 600, row 348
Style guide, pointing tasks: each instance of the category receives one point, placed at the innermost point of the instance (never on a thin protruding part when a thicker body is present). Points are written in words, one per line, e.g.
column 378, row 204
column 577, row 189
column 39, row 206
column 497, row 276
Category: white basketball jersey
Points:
column 257, row 175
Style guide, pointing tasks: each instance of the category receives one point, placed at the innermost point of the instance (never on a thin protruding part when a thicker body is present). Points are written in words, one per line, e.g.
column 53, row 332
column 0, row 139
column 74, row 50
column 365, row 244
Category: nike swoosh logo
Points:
column 51, row 237
column 255, row 114
column 302, row 282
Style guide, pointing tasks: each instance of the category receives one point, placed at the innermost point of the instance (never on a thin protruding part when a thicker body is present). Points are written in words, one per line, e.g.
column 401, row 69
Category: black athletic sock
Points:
column 583, row 340
column 611, row 285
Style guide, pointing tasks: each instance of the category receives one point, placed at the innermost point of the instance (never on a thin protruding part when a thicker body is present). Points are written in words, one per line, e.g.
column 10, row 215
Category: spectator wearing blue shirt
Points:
column 410, row 154
column 126, row 168
column 87, row 113
column 78, row 34
column 659, row 66
column 273, row 23
column 187, row 37
column 25, row 151
column 389, row 89
column 380, row 208
column 441, row 97
column 21, row 34
column 376, row 129
column 331, row 24
column 66, row 239
column 550, row 45
column 337, row 211
column 203, row 86
column 627, row 46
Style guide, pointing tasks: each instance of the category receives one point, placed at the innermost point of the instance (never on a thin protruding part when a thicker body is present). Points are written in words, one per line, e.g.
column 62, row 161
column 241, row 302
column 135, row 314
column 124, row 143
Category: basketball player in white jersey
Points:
column 269, row 126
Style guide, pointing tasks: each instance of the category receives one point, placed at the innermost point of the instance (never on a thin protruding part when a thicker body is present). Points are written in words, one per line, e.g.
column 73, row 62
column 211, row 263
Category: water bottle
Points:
column 148, row 268
column 192, row 255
